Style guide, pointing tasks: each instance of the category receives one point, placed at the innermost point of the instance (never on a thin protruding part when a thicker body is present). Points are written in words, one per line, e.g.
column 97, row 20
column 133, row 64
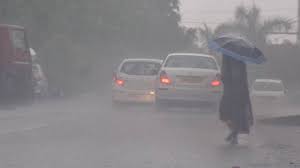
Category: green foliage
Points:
column 106, row 30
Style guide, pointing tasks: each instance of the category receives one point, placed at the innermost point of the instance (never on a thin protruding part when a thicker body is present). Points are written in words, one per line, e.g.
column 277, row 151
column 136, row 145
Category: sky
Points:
column 212, row 12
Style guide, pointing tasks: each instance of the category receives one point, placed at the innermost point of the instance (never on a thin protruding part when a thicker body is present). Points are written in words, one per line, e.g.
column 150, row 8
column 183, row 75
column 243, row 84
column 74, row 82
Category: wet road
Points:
column 87, row 132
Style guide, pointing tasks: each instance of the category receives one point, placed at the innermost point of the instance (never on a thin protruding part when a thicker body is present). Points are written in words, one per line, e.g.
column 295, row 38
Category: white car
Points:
column 267, row 90
column 188, row 77
column 134, row 81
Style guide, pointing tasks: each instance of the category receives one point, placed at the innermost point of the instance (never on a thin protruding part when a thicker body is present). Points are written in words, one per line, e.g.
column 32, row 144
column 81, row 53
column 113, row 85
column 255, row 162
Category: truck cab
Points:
column 15, row 64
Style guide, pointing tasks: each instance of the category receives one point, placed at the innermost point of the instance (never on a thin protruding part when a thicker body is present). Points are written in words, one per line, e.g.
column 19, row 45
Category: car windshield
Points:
column 140, row 68
column 184, row 61
column 268, row 86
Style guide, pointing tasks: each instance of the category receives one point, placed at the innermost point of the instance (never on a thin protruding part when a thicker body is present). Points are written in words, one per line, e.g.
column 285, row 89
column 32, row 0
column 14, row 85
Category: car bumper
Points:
column 266, row 99
column 120, row 95
column 188, row 95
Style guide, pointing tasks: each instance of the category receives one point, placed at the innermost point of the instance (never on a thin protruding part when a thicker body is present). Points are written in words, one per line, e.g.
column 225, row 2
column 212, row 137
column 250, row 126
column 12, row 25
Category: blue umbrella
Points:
column 238, row 48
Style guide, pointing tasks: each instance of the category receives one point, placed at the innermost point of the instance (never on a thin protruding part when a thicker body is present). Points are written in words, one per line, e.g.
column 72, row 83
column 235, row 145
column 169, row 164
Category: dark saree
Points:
column 235, row 106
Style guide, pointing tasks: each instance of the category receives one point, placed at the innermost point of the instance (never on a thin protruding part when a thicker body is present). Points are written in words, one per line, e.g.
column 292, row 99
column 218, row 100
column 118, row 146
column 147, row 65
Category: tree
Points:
column 60, row 30
column 205, row 35
column 248, row 22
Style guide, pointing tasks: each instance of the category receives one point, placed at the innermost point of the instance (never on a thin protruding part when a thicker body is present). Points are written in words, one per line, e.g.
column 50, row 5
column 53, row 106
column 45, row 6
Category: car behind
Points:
column 188, row 78
column 134, row 81
column 268, row 91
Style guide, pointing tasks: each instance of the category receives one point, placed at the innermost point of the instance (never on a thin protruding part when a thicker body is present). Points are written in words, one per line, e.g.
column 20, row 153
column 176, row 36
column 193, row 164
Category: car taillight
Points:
column 215, row 83
column 164, row 79
column 119, row 82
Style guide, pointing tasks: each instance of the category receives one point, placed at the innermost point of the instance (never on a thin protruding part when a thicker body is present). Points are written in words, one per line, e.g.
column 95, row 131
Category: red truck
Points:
column 15, row 64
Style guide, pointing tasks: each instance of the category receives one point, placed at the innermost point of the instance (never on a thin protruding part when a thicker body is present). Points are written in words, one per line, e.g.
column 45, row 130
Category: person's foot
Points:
column 229, row 137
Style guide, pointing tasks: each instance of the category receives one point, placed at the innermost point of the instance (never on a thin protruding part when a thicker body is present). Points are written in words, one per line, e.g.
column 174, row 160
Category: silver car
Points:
column 134, row 81
column 188, row 77
column 268, row 91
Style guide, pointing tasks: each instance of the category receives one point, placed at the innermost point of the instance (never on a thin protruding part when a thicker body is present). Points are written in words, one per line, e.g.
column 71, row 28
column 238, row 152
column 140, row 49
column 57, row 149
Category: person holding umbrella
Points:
column 235, row 106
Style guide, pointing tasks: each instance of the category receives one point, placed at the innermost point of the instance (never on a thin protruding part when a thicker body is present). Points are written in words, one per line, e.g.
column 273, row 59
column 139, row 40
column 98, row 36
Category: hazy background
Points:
column 80, row 42
column 213, row 12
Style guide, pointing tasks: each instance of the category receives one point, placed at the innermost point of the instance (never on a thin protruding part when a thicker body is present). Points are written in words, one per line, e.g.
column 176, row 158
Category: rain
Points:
column 149, row 83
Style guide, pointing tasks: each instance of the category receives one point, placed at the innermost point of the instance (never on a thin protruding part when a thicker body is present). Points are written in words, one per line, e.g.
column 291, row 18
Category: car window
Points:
column 268, row 86
column 140, row 68
column 182, row 61
column 18, row 38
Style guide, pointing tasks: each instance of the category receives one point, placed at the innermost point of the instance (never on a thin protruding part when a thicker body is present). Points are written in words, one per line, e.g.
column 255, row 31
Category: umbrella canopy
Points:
column 237, row 47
